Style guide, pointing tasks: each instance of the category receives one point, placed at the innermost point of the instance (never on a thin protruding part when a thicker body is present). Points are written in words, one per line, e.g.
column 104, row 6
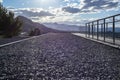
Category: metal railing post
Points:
column 89, row 30
column 106, row 27
column 101, row 30
column 86, row 30
column 113, row 29
column 92, row 29
column 97, row 29
column 104, row 30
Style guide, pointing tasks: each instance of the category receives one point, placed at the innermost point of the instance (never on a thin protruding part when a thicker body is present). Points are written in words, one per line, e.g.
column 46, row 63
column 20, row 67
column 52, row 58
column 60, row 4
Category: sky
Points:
column 63, row 11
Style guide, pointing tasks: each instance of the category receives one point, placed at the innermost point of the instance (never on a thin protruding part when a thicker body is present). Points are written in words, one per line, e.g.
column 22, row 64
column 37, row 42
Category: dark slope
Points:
column 29, row 25
column 45, row 29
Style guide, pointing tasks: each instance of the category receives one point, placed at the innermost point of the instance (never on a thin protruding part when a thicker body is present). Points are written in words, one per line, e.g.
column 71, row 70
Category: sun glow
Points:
column 47, row 3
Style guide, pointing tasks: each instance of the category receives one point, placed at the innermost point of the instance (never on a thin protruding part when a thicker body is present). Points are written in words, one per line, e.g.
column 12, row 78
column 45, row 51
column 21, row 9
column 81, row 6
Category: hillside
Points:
column 29, row 25
column 45, row 29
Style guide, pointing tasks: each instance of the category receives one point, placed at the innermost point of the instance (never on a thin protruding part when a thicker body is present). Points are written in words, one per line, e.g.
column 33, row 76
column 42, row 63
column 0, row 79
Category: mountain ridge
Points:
column 29, row 25
column 65, row 27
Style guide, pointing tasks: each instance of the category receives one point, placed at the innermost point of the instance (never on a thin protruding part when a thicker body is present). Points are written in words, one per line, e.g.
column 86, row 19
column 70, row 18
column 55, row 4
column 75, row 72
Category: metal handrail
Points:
column 104, row 27
column 105, row 18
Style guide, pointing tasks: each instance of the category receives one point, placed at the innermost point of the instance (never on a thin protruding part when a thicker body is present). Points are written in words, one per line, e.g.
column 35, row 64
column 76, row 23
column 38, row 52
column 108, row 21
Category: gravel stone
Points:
column 59, row 56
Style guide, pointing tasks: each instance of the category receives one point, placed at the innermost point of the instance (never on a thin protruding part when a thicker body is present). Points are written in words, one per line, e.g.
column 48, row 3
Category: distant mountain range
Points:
column 65, row 27
column 29, row 25
column 117, row 29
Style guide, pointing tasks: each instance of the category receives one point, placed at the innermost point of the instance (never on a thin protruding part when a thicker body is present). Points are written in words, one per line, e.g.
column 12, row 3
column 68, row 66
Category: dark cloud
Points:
column 10, row 8
column 71, row 9
column 52, row 17
column 93, row 6
column 98, row 4
column 34, row 18
column 34, row 14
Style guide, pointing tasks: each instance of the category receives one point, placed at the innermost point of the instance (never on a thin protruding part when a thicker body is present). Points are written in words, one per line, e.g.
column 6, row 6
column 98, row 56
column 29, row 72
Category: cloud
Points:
column 91, row 6
column 1, row 1
column 66, row 0
column 71, row 9
column 99, row 4
column 36, row 14
column 33, row 12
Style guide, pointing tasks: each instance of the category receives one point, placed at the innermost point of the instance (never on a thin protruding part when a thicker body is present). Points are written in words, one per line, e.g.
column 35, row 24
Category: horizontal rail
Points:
column 104, row 30
column 105, row 18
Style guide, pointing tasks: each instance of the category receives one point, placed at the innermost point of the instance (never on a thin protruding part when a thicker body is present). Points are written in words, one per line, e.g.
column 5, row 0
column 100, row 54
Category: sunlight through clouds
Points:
column 63, row 10
column 46, row 3
column 1, row 1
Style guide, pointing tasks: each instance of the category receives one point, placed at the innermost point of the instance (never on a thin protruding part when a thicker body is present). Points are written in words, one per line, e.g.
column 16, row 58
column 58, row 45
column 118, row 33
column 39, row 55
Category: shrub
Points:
column 9, row 26
column 35, row 32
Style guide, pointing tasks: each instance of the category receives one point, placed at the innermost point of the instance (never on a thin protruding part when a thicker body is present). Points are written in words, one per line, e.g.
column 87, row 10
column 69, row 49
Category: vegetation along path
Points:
column 59, row 56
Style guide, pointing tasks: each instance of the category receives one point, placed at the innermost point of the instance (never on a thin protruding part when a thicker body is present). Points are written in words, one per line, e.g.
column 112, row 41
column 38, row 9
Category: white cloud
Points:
column 99, row 4
column 91, row 6
column 70, row 12
column 94, row 0
column 66, row 0
column 1, row 1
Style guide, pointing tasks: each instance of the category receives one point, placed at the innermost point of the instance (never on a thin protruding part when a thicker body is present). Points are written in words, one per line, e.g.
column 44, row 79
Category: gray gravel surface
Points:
column 59, row 56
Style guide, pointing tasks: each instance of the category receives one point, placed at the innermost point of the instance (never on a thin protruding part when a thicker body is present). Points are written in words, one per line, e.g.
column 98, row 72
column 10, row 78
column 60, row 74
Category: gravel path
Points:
column 59, row 56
